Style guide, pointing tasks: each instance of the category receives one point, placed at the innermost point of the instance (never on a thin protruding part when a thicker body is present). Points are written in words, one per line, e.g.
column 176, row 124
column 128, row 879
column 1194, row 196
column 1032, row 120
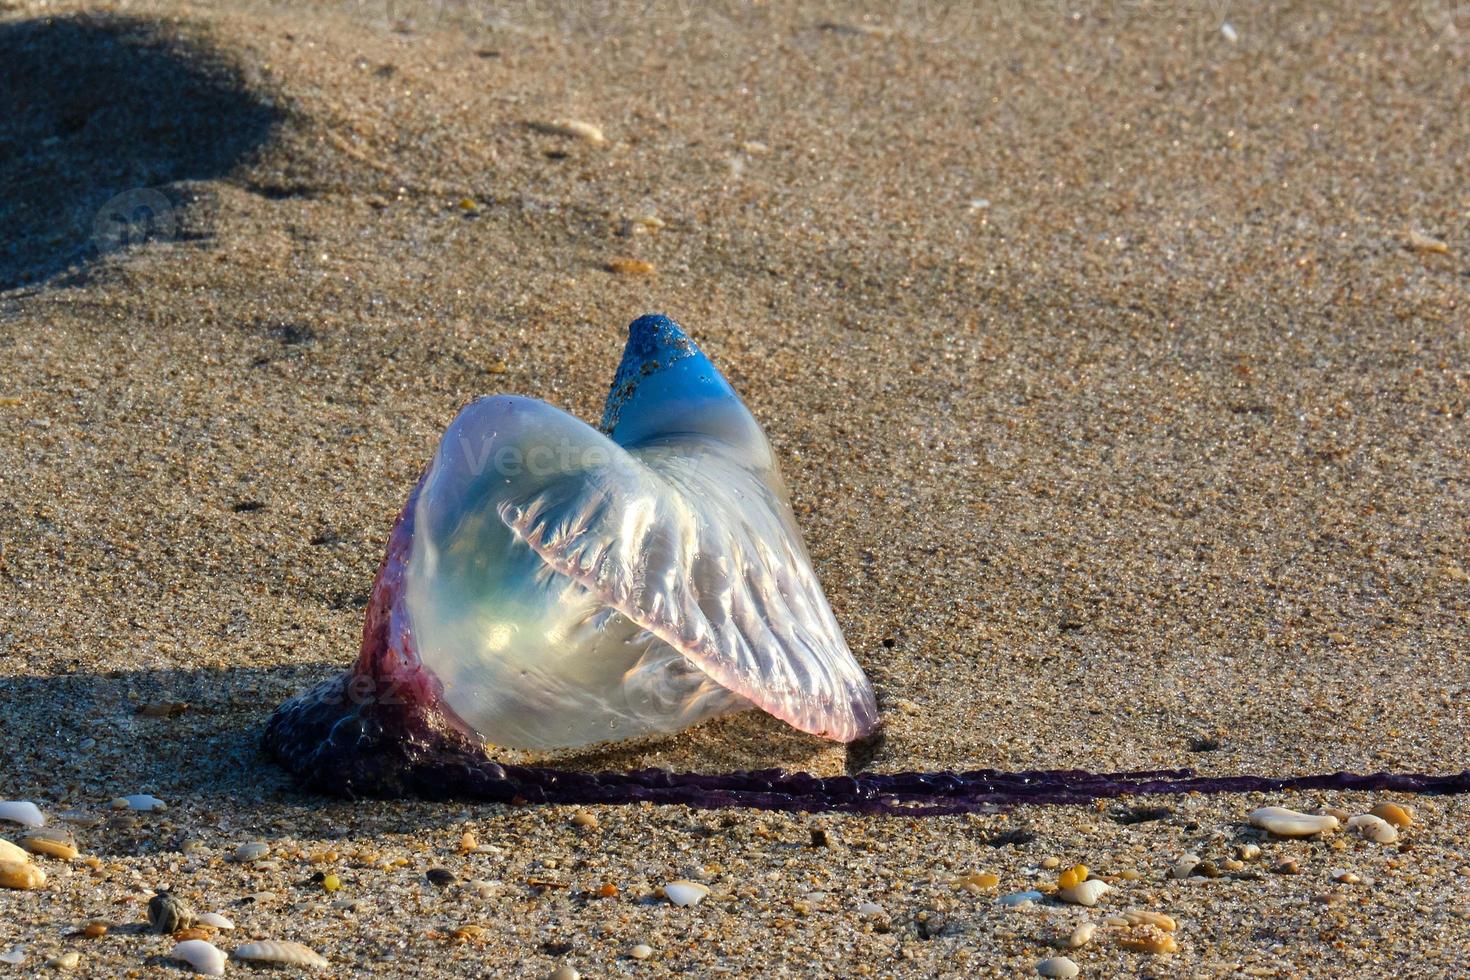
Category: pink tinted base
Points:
column 383, row 730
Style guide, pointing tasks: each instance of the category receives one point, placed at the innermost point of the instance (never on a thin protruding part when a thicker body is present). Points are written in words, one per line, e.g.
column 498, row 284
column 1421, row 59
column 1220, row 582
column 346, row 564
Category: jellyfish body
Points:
column 554, row 585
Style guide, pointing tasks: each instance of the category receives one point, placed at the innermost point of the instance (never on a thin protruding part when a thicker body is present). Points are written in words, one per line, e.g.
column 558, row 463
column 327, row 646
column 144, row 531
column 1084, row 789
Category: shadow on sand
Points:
column 100, row 115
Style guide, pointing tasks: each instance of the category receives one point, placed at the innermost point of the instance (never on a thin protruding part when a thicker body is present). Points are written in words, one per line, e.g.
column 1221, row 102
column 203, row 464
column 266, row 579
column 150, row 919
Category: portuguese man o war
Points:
column 550, row 585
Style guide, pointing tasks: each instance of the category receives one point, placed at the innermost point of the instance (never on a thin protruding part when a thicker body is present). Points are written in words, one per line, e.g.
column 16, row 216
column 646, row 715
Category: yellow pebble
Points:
column 1073, row 876
column 331, row 883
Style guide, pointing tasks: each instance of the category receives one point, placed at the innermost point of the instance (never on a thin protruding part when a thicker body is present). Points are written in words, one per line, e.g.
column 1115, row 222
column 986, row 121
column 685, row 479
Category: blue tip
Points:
column 666, row 388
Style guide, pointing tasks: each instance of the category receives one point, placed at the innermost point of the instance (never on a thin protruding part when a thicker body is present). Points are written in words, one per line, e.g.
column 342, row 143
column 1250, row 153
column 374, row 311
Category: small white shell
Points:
column 1085, row 893
column 575, row 128
column 1060, row 967
column 1374, row 828
column 23, row 812
column 1184, row 867
column 281, row 951
column 1082, row 935
column 139, row 801
column 251, row 851
column 205, row 958
column 216, row 920
column 684, row 893
column 1289, row 823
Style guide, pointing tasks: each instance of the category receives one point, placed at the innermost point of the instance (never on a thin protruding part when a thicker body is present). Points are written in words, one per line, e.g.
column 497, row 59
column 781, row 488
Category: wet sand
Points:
column 1119, row 370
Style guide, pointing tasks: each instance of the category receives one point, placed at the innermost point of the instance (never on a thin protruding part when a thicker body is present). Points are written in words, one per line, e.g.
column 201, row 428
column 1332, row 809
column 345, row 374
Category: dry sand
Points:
column 1119, row 384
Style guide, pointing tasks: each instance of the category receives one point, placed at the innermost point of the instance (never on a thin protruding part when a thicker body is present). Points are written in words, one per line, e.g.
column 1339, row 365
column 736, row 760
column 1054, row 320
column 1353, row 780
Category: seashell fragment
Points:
column 205, row 957
column 251, row 851
column 1016, row 899
column 56, row 843
column 685, row 893
column 21, row 875
column 1082, row 935
column 573, row 128
column 1185, row 866
column 1400, row 816
column 139, row 801
column 1374, row 828
column 13, row 854
column 1085, row 892
column 1060, row 967
column 14, row 957
column 23, row 812
column 1282, row 822
column 281, row 951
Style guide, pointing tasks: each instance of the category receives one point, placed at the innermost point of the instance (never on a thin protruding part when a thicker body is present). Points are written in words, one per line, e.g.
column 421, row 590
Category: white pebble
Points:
column 1085, row 893
column 251, row 851
column 1082, row 935
column 641, row 952
column 564, row 972
column 1020, row 898
column 1184, row 867
column 1282, row 822
column 66, row 961
column 685, row 893
column 869, row 910
column 216, row 920
column 139, row 801
column 23, row 812
column 204, row 957
column 1230, row 33
column 280, row 951
column 1374, row 828
column 1060, row 967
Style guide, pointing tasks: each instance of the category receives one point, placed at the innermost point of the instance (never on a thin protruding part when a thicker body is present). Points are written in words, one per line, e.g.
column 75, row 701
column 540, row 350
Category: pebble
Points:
column 66, row 961
column 1060, row 967
column 1148, row 939
column 139, row 801
column 1085, row 892
column 641, row 952
column 1374, row 828
column 1082, row 935
column 684, row 893
column 1185, row 865
column 10, row 852
column 1420, row 242
column 251, row 851
column 1020, row 898
column 440, row 877
column 281, row 951
column 574, row 128
column 1282, row 822
column 624, row 266
column 869, row 910
column 94, row 930
column 1051, row 863
column 1400, row 816
column 23, row 812
column 564, row 972
column 585, row 820
column 52, row 843
column 15, row 957
column 206, row 958
column 169, row 913
column 22, row 875
column 1249, row 852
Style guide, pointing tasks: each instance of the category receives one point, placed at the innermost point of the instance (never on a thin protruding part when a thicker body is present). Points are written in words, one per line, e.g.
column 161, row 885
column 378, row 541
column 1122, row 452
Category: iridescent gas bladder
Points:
column 569, row 585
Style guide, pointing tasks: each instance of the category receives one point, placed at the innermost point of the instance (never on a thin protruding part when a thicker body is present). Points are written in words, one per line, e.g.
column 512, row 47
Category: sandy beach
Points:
column 1116, row 354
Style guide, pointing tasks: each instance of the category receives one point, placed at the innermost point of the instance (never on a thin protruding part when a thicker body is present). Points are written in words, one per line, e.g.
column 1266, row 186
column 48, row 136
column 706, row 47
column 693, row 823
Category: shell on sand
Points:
column 281, row 951
column 205, row 957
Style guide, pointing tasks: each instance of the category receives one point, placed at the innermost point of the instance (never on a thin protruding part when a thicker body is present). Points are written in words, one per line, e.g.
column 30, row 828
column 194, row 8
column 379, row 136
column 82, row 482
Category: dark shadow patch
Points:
column 100, row 115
